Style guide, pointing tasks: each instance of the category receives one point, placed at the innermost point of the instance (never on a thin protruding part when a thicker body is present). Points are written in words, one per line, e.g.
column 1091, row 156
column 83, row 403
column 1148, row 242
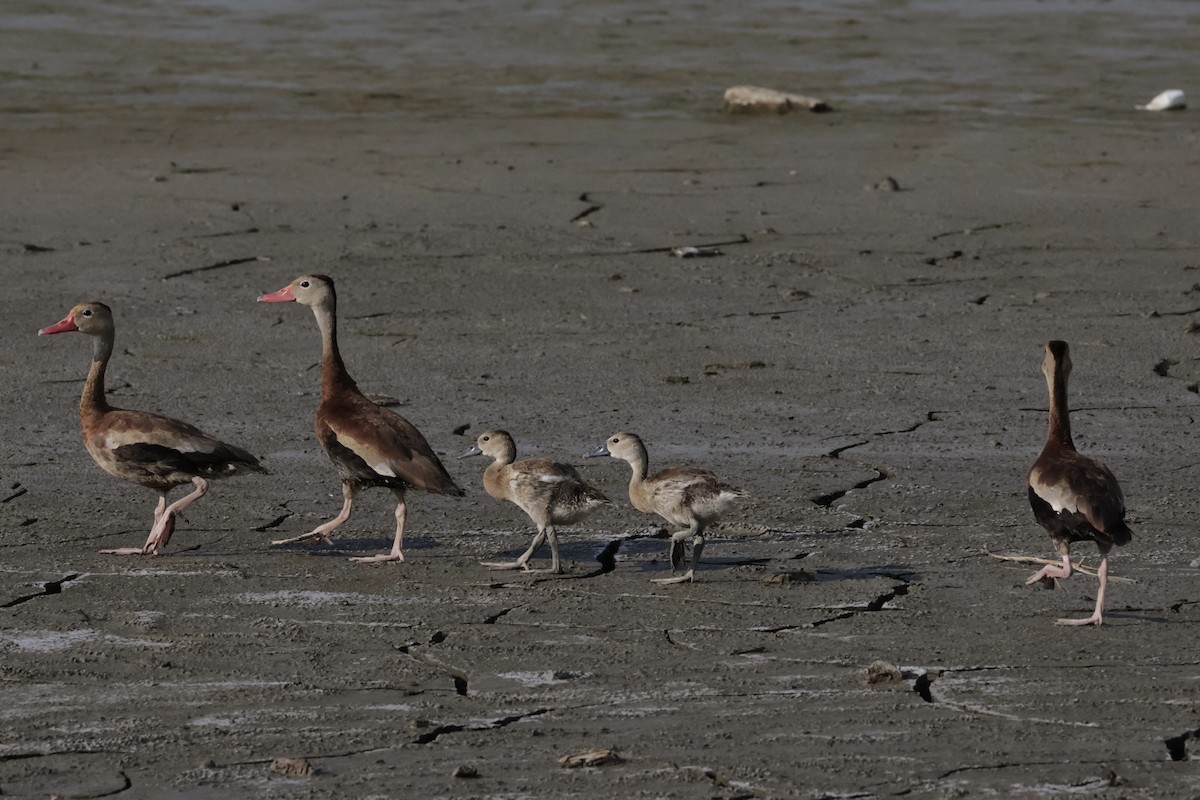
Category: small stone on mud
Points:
column 463, row 771
column 592, row 758
column 757, row 100
column 293, row 766
column 794, row 576
column 881, row 673
column 888, row 184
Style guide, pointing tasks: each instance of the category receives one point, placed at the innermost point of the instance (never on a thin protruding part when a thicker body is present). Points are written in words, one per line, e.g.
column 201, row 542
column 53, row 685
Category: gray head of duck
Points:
column 1058, row 359
column 308, row 290
column 94, row 319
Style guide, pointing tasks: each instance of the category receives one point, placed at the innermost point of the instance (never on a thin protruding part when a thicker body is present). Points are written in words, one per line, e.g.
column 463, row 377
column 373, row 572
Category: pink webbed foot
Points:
column 1096, row 619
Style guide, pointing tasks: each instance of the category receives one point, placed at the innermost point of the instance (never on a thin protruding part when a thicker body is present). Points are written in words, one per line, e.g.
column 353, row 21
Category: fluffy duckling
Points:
column 1075, row 498
column 693, row 498
column 549, row 492
column 148, row 449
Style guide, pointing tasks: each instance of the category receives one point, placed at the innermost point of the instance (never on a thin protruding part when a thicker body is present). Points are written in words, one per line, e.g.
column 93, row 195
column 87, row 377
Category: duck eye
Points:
column 613, row 440
column 304, row 284
column 487, row 438
column 87, row 312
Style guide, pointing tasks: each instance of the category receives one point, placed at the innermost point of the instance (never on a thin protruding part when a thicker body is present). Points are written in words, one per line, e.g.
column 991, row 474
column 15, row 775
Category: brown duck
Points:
column 1075, row 498
column 369, row 445
column 150, row 450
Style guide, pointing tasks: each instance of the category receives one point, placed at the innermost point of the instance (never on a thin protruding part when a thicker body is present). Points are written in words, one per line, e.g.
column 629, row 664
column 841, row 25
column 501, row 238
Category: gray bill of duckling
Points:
column 693, row 498
column 550, row 493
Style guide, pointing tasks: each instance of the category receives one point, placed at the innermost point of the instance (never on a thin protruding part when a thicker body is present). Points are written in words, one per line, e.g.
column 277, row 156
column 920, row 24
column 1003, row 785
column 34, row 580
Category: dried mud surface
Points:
column 865, row 364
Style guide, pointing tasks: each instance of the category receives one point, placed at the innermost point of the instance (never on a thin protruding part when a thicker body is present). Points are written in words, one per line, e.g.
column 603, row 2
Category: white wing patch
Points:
column 1058, row 496
column 363, row 451
column 180, row 444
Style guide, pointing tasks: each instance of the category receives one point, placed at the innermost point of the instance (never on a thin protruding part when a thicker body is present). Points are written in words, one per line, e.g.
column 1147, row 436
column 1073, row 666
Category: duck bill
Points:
column 473, row 450
column 599, row 452
column 284, row 295
column 64, row 325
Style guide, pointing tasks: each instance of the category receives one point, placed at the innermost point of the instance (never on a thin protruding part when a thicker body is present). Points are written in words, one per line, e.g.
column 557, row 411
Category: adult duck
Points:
column 550, row 493
column 1075, row 498
column 369, row 445
column 150, row 450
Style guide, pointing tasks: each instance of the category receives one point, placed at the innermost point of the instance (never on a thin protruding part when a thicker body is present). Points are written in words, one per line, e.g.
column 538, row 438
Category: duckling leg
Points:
column 1097, row 617
column 164, row 522
column 397, row 552
column 321, row 532
column 695, row 533
column 523, row 560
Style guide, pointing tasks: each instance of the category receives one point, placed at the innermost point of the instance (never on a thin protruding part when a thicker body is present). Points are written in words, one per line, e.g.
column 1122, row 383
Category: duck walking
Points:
column 1075, row 498
column 693, row 498
column 550, row 493
column 150, row 450
column 370, row 445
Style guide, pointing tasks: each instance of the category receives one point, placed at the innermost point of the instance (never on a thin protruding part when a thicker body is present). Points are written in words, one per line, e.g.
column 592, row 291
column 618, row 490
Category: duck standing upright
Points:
column 550, row 493
column 1075, row 498
column 693, row 498
column 370, row 445
column 150, row 450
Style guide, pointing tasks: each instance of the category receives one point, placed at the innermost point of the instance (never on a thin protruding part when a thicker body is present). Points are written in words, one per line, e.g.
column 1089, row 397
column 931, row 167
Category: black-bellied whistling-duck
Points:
column 693, row 498
column 549, row 492
column 143, row 448
column 369, row 445
column 1074, row 497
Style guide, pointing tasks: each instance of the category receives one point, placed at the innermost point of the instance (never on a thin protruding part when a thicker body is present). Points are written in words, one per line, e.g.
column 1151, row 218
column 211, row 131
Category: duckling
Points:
column 549, row 492
column 693, row 498
column 1075, row 498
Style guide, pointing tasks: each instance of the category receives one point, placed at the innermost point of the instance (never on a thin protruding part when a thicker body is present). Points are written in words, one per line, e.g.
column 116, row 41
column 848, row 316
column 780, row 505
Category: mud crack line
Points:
column 48, row 588
column 827, row 500
column 503, row 722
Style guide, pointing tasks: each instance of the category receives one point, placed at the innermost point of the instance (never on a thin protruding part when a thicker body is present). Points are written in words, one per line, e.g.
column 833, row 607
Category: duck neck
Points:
column 1060, row 421
column 333, row 369
column 93, row 402
column 640, row 464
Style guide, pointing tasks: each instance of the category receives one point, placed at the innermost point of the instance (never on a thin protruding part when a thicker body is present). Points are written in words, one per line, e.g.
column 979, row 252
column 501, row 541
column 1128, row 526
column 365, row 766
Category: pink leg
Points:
column 1052, row 571
column 397, row 553
column 321, row 532
column 164, row 522
column 1097, row 617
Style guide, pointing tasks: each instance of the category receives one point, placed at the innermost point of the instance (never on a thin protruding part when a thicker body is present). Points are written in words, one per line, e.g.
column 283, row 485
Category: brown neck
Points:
column 1060, row 421
column 333, row 371
column 93, row 402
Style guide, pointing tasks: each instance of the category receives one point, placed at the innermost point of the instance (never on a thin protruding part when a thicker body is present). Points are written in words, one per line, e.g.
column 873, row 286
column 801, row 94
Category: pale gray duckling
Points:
column 549, row 492
column 693, row 498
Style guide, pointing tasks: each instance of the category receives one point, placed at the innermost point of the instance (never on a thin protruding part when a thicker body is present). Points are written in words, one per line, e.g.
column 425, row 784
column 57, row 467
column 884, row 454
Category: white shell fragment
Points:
column 695, row 252
column 1170, row 100
column 757, row 100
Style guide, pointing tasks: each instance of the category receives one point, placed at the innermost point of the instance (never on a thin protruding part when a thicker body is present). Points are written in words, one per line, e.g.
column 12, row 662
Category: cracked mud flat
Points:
column 864, row 364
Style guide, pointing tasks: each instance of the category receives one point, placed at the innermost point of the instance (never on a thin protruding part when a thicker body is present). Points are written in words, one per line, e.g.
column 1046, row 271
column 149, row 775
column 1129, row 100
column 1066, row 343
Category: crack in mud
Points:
column 48, row 588
column 1177, row 745
column 275, row 523
column 827, row 500
column 491, row 620
column 22, row 490
column 441, row 730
